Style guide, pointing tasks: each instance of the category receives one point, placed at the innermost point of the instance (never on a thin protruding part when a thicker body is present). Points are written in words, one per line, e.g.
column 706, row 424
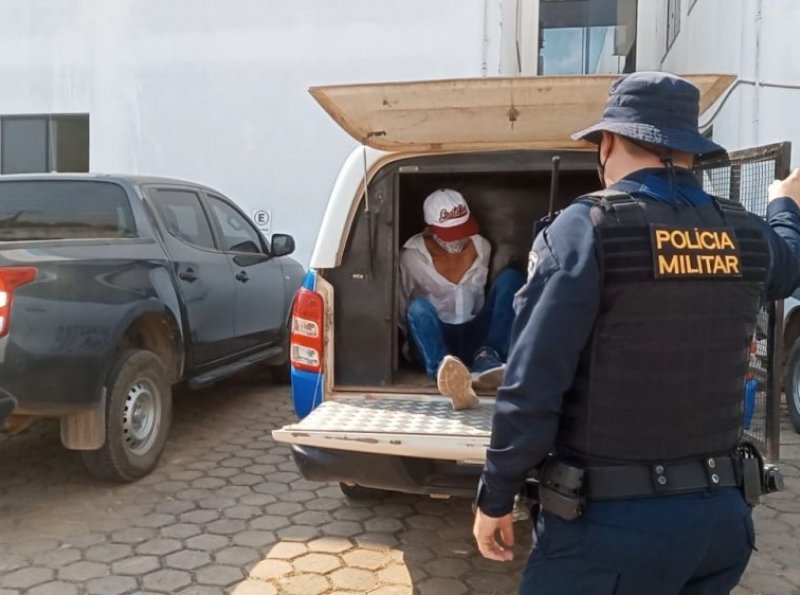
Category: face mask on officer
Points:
column 601, row 163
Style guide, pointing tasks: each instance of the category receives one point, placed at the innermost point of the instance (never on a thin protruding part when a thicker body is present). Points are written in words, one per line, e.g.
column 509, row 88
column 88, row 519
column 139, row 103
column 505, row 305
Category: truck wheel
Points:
column 354, row 491
column 138, row 416
column 791, row 385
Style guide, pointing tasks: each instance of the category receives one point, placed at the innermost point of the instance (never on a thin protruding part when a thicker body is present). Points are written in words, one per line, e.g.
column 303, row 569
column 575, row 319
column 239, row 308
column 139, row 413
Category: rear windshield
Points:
column 58, row 210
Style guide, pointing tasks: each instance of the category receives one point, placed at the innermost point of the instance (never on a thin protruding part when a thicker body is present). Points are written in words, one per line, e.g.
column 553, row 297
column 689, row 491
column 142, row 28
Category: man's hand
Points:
column 789, row 187
column 485, row 531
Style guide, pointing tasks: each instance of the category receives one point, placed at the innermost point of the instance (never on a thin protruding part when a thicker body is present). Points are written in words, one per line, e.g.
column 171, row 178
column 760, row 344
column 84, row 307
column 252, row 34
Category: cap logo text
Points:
column 456, row 212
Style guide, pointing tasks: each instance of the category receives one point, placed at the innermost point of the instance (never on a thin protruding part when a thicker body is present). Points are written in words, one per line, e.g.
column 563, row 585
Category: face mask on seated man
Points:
column 456, row 328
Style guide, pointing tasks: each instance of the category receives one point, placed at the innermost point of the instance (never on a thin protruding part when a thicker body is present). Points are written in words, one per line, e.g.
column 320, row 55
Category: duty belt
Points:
column 636, row 481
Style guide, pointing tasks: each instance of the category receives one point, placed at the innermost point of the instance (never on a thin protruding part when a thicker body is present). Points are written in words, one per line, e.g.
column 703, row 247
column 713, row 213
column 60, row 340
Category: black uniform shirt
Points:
column 556, row 312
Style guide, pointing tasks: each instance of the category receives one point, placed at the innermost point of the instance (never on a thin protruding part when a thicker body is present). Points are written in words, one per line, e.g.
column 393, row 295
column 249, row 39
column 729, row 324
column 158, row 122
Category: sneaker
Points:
column 487, row 370
column 454, row 381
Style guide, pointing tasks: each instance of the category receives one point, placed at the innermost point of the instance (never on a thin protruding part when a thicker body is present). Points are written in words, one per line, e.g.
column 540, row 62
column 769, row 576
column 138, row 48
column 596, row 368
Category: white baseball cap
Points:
column 448, row 215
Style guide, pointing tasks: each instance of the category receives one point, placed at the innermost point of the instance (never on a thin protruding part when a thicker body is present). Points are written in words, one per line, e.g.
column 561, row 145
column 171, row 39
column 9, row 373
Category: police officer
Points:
column 625, row 379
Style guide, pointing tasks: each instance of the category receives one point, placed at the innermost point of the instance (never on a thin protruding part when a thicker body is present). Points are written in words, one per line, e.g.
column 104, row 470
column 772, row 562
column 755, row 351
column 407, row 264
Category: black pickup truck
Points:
column 115, row 288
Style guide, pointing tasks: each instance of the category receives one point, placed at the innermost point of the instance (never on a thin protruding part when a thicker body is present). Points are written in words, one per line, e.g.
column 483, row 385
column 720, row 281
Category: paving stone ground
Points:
column 227, row 512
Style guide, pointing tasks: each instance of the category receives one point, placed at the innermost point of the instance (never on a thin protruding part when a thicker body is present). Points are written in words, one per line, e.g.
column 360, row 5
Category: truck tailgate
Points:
column 402, row 426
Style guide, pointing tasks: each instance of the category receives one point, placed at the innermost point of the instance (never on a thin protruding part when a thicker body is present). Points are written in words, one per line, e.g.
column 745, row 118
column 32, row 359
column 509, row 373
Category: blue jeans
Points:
column 691, row 544
column 434, row 339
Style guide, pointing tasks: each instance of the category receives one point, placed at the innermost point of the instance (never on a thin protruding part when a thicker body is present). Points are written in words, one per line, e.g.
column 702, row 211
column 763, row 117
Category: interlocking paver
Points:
column 331, row 545
column 242, row 512
column 188, row 559
column 391, row 590
column 156, row 520
column 304, row 584
column 218, row 503
column 167, row 580
column 196, row 527
column 447, row 567
column 327, row 504
column 348, row 513
column 367, row 559
column 54, row 588
column 236, row 556
column 259, row 500
column 208, row 543
column 200, row 517
column 298, row 533
column 287, row 551
column 159, row 547
column 395, row 574
column 354, row 579
column 180, row 531
column 111, row 585
column 58, row 558
column 442, row 586
column 377, row 541
column 491, row 582
column 133, row 535
column 269, row 569
column 299, row 496
column 108, row 552
column 226, row 526
column 284, row 508
column 219, row 574
column 316, row 563
column 83, row 571
column 10, row 563
column 254, row 587
column 269, row 522
column 136, row 565
column 201, row 590
column 254, row 538
column 342, row 529
column 30, row 547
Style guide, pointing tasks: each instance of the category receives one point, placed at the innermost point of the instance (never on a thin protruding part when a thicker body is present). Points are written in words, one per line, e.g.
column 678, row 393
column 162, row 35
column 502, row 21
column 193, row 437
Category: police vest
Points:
column 662, row 376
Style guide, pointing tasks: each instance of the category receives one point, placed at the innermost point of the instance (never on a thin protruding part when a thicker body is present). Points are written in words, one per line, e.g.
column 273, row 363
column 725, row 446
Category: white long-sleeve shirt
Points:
column 456, row 303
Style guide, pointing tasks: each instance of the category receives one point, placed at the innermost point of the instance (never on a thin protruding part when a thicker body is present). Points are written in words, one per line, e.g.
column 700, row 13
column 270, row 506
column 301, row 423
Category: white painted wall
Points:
column 215, row 91
column 754, row 39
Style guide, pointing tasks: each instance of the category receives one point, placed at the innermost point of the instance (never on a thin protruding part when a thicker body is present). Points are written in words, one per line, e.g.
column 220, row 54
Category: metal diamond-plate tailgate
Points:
column 426, row 428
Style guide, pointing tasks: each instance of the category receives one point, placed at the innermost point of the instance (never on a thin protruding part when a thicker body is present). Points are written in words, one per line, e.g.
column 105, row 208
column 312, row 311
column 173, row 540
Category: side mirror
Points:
column 282, row 244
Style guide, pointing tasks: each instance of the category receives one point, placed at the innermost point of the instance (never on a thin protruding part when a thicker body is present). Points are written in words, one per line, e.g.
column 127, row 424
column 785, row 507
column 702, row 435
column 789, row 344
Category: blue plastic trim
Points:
column 306, row 391
column 310, row 280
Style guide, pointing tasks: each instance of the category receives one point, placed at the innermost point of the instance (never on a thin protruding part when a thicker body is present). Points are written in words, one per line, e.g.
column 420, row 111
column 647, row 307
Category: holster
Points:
column 758, row 478
column 560, row 489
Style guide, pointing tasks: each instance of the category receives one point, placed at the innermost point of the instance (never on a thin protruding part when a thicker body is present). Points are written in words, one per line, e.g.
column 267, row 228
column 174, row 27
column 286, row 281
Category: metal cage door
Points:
column 744, row 176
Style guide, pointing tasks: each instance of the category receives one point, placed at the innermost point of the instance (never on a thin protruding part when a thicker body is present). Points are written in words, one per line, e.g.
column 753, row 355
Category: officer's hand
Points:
column 485, row 531
column 789, row 187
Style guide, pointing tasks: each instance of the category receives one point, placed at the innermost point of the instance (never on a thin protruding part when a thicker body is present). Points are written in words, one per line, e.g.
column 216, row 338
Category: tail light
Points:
column 308, row 338
column 10, row 279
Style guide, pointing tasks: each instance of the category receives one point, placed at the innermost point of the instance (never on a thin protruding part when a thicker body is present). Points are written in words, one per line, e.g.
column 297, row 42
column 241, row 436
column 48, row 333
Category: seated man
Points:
column 450, row 321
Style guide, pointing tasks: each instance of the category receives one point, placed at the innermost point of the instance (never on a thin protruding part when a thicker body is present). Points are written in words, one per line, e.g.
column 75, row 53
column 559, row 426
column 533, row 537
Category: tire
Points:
column 137, row 385
column 791, row 385
column 357, row 492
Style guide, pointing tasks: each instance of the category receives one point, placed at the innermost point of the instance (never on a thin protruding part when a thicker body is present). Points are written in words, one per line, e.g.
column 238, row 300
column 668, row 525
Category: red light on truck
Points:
column 308, row 340
column 10, row 279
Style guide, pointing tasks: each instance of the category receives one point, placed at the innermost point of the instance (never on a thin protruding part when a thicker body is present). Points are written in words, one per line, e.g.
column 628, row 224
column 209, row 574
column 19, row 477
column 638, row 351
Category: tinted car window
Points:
column 184, row 217
column 55, row 210
column 238, row 234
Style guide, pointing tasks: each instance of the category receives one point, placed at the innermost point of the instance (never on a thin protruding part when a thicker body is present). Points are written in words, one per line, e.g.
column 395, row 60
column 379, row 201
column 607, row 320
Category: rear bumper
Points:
column 387, row 472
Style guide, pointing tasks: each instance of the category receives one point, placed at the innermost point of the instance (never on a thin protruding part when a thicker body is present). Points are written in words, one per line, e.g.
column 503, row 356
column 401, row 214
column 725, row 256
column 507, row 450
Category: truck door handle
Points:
column 242, row 276
column 188, row 274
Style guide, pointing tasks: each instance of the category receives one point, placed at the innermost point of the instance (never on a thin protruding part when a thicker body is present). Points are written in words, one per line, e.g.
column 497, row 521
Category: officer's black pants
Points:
column 692, row 544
